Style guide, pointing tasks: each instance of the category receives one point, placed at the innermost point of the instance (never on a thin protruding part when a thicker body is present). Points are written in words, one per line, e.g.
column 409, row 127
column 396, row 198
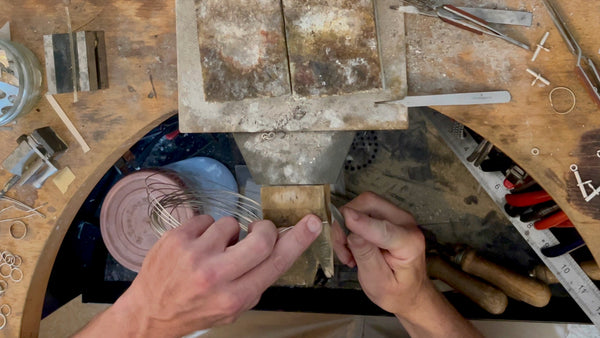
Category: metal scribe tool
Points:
column 459, row 99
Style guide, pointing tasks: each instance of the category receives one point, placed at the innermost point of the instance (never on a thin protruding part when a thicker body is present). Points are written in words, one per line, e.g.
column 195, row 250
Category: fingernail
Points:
column 352, row 214
column 314, row 225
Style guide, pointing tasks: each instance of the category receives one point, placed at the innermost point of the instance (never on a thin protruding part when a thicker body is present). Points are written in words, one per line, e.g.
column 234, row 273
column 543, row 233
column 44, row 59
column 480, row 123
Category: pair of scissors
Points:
column 461, row 19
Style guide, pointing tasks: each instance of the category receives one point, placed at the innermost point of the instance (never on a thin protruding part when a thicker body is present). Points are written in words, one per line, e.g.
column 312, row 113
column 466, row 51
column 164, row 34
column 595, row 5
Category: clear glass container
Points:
column 26, row 68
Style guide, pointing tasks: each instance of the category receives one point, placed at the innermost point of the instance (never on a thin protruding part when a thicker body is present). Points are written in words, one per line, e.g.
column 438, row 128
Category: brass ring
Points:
column 12, row 232
column 3, row 321
column 552, row 103
column 3, row 286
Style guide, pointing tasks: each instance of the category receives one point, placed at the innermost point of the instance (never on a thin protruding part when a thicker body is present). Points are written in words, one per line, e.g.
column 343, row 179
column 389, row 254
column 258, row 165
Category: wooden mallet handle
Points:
column 486, row 296
column 514, row 285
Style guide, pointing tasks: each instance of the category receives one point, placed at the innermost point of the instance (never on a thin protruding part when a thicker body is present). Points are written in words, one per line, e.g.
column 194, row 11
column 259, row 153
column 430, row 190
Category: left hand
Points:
column 198, row 275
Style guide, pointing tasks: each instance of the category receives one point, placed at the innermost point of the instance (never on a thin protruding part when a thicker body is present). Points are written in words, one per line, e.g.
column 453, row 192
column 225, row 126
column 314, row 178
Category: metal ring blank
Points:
column 15, row 279
column 552, row 103
column 17, row 259
column 3, row 286
column 3, row 321
column 12, row 232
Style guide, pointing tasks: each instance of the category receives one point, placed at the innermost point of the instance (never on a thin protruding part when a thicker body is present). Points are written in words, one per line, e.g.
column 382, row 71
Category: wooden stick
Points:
column 67, row 122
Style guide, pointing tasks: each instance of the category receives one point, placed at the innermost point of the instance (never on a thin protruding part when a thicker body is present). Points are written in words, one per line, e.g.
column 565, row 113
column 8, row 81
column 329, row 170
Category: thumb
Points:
column 372, row 267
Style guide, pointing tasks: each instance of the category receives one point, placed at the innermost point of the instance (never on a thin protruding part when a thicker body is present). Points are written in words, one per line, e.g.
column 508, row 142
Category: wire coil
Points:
column 168, row 203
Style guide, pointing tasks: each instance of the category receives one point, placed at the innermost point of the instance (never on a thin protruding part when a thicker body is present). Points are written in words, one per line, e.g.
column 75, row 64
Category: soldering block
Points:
column 90, row 62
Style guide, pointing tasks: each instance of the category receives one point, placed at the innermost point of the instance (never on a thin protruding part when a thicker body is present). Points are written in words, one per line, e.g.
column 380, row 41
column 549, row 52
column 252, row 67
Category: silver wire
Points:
column 168, row 201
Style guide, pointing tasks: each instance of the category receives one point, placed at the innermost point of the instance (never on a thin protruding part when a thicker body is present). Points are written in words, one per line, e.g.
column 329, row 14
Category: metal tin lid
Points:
column 124, row 221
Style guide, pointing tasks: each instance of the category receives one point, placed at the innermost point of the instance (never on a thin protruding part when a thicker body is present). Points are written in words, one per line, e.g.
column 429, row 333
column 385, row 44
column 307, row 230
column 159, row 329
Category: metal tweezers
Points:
column 461, row 19
column 591, row 79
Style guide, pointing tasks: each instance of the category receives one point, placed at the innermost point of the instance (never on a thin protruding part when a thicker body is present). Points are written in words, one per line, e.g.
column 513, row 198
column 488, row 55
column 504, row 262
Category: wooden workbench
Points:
column 140, row 39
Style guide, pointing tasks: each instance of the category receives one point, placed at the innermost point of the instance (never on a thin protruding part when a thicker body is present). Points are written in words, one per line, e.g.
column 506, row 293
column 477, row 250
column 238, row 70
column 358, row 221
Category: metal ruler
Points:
column 564, row 267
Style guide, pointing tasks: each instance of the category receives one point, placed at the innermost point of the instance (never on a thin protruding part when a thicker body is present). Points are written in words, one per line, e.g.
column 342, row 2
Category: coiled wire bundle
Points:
column 167, row 202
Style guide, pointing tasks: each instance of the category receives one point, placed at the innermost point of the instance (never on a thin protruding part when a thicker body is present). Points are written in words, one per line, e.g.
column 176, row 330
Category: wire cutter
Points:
column 461, row 19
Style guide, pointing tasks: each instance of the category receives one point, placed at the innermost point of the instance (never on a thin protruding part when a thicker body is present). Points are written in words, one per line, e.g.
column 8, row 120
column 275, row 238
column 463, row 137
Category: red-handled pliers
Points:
column 556, row 220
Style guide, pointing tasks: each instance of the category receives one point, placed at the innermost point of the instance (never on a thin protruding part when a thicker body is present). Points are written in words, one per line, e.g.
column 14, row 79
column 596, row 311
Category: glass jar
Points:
column 28, row 71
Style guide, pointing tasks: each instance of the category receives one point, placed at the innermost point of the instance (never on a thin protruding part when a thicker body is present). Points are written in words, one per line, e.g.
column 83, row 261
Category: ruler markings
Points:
column 567, row 271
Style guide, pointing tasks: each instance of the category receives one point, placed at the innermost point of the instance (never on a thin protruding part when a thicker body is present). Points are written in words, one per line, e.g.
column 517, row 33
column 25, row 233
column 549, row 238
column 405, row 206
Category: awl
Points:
column 458, row 99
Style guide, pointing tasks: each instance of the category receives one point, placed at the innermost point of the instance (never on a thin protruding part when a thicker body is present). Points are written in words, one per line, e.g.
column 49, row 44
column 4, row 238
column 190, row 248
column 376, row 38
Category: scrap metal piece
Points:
column 540, row 46
column 332, row 46
column 91, row 72
column 538, row 77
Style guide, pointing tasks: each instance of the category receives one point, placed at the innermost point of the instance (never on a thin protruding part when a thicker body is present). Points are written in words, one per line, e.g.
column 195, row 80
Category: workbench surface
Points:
column 141, row 52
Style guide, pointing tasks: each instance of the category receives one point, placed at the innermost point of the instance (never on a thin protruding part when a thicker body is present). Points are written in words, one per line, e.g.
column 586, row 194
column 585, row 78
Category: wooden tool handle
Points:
column 544, row 274
column 519, row 287
column 486, row 296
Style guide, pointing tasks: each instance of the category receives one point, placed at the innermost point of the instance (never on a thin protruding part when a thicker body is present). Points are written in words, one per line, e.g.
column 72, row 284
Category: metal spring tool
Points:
column 462, row 19
column 590, row 77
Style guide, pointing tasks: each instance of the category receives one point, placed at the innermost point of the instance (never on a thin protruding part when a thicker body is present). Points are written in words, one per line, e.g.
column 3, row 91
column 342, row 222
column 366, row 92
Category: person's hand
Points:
column 198, row 275
column 389, row 250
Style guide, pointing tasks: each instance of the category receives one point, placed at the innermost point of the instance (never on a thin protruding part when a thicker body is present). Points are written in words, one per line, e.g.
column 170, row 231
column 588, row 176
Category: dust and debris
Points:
column 332, row 46
column 295, row 158
column 433, row 51
column 242, row 48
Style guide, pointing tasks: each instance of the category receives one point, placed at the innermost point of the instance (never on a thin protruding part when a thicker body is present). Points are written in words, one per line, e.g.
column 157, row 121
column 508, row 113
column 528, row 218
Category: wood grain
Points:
column 514, row 285
column 486, row 296
column 140, row 45
column 444, row 59
column 140, row 42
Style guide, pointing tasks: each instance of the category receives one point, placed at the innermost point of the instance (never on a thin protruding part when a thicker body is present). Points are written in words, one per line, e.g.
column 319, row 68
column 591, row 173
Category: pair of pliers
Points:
column 551, row 216
column 461, row 19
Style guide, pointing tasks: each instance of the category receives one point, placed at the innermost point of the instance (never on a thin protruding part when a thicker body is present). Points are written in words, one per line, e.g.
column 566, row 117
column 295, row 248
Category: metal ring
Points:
column 3, row 321
column 598, row 153
column 14, row 279
column 552, row 103
column 4, row 254
column 573, row 167
column 5, row 306
column 17, row 259
column 12, row 232
column 535, row 151
column 5, row 275
column 3, row 286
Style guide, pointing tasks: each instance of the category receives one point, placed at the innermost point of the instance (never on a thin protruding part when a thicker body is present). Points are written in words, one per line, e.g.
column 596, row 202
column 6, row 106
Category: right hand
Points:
column 389, row 250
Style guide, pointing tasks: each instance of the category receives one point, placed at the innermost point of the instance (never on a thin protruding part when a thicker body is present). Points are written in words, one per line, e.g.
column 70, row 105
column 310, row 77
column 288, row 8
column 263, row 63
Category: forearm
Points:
column 119, row 320
column 434, row 316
